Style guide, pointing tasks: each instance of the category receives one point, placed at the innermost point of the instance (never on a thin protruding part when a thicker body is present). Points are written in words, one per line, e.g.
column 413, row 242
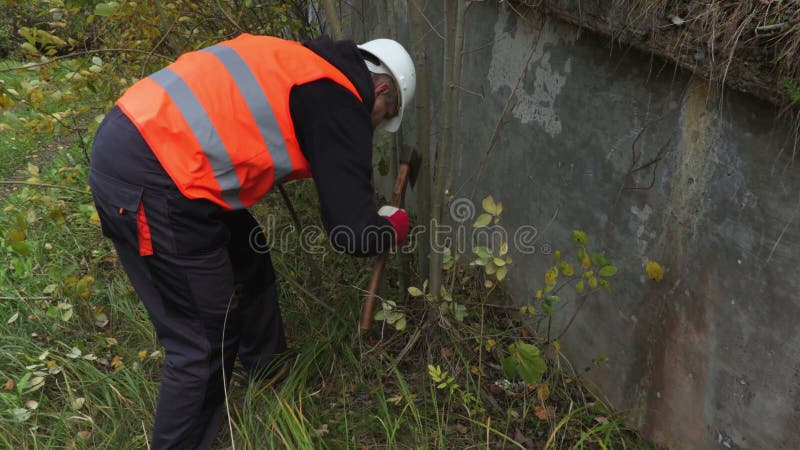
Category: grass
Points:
column 80, row 364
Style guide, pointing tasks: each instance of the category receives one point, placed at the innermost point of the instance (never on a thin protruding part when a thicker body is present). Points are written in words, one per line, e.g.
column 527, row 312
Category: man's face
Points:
column 383, row 109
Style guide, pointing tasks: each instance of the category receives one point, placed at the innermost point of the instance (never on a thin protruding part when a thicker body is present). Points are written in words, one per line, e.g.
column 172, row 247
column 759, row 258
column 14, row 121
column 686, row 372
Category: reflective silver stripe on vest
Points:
column 204, row 131
column 259, row 106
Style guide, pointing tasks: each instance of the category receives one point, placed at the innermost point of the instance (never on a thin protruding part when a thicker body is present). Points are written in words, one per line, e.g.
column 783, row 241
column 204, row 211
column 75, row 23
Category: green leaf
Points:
column 528, row 351
column 599, row 259
column 580, row 237
column 509, row 367
column 504, row 249
column 593, row 282
column 106, row 9
column 459, row 312
column 21, row 414
column 580, row 255
column 491, row 269
column 607, row 271
column 547, row 304
column 567, row 269
column 499, row 262
column 483, row 252
column 501, row 273
column 489, row 206
column 401, row 324
column 380, row 314
column 482, row 221
column 579, row 287
column 414, row 292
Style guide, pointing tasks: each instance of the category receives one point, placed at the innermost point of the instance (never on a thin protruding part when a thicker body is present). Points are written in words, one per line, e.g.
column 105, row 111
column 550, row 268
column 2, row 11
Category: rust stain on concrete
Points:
column 679, row 330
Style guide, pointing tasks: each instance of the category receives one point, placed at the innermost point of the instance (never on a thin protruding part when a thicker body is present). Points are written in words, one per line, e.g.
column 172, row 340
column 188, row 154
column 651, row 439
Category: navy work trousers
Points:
column 209, row 293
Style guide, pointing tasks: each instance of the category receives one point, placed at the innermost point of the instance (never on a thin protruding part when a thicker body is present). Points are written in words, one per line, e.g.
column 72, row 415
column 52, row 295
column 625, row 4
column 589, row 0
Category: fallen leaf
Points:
column 601, row 420
column 116, row 362
column 447, row 352
column 13, row 318
column 395, row 400
column 35, row 383
column 9, row 385
column 142, row 354
column 84, row 435
column 543, row 413
column 323, row 430
column 522, row 439
column 543, row 392
column 78, row 403
column 461, row 428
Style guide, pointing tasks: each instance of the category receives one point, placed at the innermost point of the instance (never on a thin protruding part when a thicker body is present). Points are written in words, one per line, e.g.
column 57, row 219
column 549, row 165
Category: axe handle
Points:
column 377, row 268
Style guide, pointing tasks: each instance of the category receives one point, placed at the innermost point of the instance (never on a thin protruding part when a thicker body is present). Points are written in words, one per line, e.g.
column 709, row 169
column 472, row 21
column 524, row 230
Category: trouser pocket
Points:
column 119, row 205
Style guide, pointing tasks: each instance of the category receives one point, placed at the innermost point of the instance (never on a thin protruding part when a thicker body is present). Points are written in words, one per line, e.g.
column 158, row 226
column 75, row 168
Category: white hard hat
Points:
column 395, row 62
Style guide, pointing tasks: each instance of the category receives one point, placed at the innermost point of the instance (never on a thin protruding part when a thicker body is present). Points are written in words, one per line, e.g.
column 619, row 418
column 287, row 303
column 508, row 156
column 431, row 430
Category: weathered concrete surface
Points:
column 710, row 357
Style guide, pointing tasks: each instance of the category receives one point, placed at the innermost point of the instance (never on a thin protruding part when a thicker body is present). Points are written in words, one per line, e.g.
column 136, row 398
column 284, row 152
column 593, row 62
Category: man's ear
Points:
column 382, row 87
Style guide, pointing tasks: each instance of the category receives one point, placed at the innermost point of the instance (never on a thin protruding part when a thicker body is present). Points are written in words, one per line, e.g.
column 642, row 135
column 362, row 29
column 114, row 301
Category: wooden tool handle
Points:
column 377, row 269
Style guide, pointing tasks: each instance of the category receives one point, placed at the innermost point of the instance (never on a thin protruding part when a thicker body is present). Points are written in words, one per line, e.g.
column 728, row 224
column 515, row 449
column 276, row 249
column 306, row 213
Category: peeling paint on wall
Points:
column 505, row 68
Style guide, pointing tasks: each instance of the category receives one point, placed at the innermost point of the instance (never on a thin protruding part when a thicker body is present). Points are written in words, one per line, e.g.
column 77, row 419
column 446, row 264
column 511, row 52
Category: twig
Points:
column 44, row 185
column 306, row 292
column 572, row 319
column 422, row 14
column 777, row 241
column 406, row 349
column 633, row 168
column 230, row 19
column 224, row 380
column 86, row 52
column 158, row 44
column 316, row 275
column 498, row 125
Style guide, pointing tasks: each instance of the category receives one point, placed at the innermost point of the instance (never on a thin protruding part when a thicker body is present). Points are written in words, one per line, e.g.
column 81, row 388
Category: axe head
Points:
column 414, row 161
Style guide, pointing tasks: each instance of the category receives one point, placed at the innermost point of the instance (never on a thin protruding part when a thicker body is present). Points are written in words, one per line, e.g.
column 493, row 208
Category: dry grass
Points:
column 752, row 46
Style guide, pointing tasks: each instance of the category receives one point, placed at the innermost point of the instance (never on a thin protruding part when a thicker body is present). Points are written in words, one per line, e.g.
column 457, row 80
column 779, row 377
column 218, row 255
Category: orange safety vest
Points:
column 218, row 119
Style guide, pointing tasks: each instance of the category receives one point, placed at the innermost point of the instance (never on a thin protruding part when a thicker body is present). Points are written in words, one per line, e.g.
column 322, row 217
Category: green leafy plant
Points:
column 391, row 314
column 524, row 360
column 495, row 263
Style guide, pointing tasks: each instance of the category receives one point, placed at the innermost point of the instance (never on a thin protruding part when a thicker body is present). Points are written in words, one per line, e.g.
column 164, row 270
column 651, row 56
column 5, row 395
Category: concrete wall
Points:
column 710, row 357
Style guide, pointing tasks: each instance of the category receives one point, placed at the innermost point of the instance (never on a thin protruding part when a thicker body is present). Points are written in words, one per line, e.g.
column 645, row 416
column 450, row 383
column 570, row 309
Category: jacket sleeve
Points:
column 335, row 134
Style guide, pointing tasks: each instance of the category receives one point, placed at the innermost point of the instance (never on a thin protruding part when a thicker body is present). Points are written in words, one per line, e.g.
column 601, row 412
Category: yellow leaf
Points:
column 489, row 205
column 587, row 261
column 142, row 354
column 116, row 362
column 33, row 170
column 490, row 344
column 543, row 392
column 654, row 271
column 482, row 221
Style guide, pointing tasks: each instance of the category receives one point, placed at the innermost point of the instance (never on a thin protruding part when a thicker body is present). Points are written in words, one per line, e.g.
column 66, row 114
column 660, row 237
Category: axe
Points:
column 406, row 172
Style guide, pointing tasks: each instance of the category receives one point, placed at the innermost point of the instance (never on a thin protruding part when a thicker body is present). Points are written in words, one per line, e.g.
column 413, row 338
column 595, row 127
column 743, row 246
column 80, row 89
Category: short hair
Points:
column 384, row 78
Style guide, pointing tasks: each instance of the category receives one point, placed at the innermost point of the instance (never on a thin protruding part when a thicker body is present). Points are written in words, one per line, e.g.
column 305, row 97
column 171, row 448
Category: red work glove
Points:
column 399, row 220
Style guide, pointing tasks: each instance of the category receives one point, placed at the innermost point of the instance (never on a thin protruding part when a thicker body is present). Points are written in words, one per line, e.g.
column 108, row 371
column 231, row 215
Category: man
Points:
column 182, row 155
